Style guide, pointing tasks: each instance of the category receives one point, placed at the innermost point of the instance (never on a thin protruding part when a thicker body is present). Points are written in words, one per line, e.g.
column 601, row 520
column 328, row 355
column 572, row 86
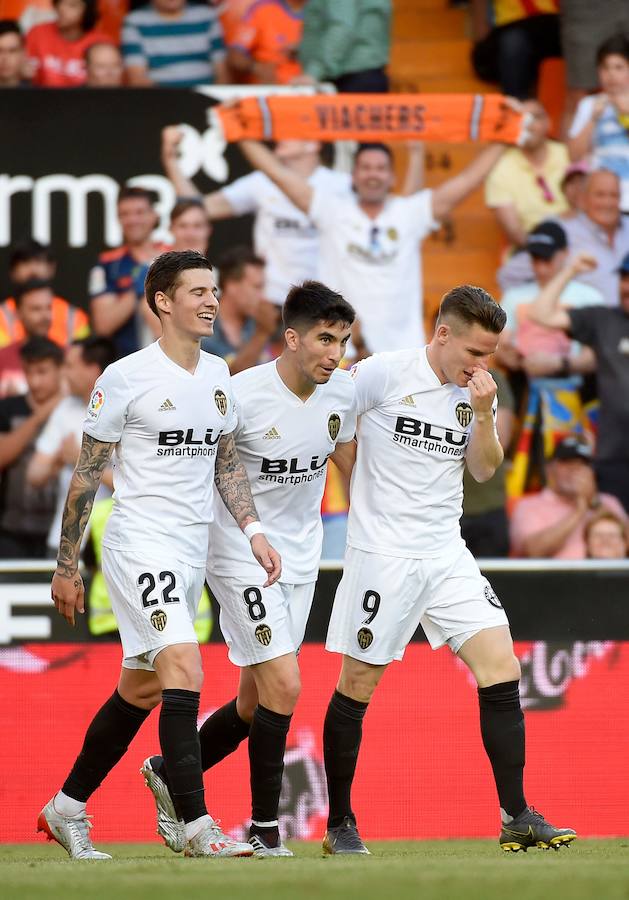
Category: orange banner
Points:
column 453, row 118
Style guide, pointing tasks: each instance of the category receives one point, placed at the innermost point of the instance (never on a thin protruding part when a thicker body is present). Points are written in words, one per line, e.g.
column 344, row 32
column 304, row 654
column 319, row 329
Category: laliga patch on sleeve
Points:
column 96, row 403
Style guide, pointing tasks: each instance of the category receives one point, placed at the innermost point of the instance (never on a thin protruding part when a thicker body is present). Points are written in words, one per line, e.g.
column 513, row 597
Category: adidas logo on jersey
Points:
column 407, row 401
column 166, row 406
column 272, row 435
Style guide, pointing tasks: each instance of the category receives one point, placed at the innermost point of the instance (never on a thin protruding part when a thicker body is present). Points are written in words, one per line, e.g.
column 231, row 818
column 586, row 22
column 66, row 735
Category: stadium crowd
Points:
column 562, row 365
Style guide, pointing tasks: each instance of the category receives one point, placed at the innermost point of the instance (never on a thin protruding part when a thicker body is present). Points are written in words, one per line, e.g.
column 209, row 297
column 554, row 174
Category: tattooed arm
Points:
column 67, row 584
column 233, row 486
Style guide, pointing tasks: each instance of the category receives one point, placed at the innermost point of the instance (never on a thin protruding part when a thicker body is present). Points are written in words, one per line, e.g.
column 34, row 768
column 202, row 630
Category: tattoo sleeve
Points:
column 86, row 478
column 232, row 483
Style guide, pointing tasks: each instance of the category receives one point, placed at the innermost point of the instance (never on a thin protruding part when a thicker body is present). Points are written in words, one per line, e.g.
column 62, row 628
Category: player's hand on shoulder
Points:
column 482, row 390
column 68, row 593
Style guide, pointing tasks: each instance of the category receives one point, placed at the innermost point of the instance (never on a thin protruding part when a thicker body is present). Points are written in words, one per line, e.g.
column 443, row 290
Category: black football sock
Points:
column 267, row 743
column 342, row 734
column 107, row 739
column 221, row 734
column 179, row 740
column 502, row 728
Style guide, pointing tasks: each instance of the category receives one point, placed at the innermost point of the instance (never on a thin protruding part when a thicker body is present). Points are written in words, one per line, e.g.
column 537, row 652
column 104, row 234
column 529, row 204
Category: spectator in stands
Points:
column 599, row 130
column 104, row 68
column 246, row 322
column 370, row 241
column 348, row 44
column 573, row 188
column 524, row 344
column 511, row 39
column 56, row 50
column 524, row 187
column 606, row 536
column 26, row 512
column 551, row 524
column 584, row 28
column 12, row 56
column 264, row 47
column 33, row 310
column 30, row 261
column 601, row 231
column 190, row 225
column 484, row 524
column 173, row 44
column 57, row 447
column 606, row 330
column 118, row 308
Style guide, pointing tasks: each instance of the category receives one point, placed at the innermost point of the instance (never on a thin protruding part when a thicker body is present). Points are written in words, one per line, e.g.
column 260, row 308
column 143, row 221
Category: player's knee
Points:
column 178, row 667
column 359, row 684
column 502, row 668
column 146, row 697
column 282, row 692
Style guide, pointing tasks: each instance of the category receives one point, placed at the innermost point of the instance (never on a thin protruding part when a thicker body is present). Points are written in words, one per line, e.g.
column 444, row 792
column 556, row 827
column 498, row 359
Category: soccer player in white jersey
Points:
column 423, row 415
column 167, row 414
column 293, row 415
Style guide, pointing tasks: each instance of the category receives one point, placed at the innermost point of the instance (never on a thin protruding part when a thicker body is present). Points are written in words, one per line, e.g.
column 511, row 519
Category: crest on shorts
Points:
column 464, row 413
column 221, row 401
column 365, row 638
column 263, row 635
column 159, row 619
column 490, row 596
column 334, row 425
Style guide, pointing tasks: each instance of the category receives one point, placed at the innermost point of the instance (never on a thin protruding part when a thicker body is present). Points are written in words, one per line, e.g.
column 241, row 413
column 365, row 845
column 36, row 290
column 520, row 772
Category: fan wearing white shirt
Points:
column 167, row 413
column 370, row 240
column 294, row 414
column 424, row 414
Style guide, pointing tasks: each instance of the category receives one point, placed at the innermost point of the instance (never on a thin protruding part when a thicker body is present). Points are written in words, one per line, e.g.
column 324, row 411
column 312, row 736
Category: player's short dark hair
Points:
column 10, row 26
column 97, row 351
column 374, row 145
column 182, row 206
column 233, row 262
column 163, row 275
column 472, row 305
column 136, row 193
column 90, row 14
column 27, row 251
column 38, row 349
column 616, row 45
column 26, row 287
column 312, row 302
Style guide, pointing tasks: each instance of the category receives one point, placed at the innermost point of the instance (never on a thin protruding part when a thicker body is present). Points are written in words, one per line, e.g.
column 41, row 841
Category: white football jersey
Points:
column 407, row 484
column 166, row 423
column 283, row 235
column 376, row 263
column 284, row 445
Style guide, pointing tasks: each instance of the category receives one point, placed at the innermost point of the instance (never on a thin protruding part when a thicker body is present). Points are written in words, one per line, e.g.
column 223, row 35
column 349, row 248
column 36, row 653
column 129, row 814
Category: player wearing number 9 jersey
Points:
column 167, row 412
column 293, row 415
column 423, row 415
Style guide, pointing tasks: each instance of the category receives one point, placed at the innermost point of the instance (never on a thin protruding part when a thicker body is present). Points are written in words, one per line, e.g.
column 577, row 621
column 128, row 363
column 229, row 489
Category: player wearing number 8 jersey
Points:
column 293, row 415
column 423, row 415
column 167, row 413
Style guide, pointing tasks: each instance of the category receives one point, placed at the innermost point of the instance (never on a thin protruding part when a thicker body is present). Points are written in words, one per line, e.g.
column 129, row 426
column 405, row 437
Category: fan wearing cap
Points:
column 606, row 330
column 524, row 344
column 551, row 524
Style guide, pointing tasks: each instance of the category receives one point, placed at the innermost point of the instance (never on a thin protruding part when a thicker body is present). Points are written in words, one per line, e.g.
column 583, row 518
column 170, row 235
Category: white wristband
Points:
column 253, row 528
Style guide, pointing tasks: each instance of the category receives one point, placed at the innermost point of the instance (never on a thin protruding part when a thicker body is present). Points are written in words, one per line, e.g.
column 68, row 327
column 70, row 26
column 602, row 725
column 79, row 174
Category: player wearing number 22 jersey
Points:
column 167, row 415
column 423, row 415
column 293, row 415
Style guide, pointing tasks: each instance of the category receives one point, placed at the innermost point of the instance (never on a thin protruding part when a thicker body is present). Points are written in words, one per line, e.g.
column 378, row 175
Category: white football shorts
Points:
column 154, row 601
column 260, row 623
column 381, row 600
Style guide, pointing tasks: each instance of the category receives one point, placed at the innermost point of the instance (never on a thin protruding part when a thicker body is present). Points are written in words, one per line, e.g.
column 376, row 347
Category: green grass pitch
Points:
column 421, row 870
